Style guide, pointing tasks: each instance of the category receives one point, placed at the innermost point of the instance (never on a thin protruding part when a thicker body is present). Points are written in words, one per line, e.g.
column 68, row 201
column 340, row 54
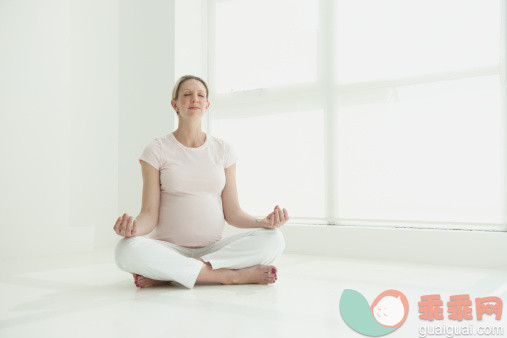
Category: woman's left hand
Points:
column 275, row 219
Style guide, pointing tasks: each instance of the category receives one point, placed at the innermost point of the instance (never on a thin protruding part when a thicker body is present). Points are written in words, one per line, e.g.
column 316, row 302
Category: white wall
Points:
column 34, row 120
column 58, row 124
column 84, row 86
column 146, row 62
column 94, row 122
column 190, row 44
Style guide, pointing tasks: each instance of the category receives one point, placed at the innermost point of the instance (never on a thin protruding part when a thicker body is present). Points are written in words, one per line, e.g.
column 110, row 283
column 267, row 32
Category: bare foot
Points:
column 145, row 282
column 257, row 274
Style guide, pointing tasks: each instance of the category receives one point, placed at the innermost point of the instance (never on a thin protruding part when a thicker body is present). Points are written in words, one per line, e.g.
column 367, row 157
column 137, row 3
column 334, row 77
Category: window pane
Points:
column 381, row 39
column 265, row 43
column 429, row 152
column 281, row 161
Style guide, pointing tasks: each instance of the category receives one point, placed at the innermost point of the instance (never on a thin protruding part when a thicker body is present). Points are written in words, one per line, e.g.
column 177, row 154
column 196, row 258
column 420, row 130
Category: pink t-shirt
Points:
column 191, row 184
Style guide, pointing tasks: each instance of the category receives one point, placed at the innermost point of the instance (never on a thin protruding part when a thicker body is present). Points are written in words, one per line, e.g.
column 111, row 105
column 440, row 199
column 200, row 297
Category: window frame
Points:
column 325, row 90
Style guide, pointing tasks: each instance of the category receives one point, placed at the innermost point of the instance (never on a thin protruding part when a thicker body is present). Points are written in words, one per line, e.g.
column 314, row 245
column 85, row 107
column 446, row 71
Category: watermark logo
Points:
column 459, row 307
column 385, row 315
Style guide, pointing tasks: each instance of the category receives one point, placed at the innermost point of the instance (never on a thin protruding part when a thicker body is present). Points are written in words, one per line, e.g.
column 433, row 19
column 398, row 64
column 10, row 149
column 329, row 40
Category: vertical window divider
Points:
column 172, row 53
column 503, row 88
column 204, row 56
column 209, row 10
column 326, row 81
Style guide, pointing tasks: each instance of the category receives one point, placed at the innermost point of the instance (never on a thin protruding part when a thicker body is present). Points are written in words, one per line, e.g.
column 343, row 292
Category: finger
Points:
column 130, row 225
column 134, row 229
column 117, row 224
column 281, row 215
column 124, row 225
column 277, row 217
column 286, row 214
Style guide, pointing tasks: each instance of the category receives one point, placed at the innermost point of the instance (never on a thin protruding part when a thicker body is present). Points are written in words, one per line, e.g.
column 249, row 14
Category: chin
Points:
column 194, row 114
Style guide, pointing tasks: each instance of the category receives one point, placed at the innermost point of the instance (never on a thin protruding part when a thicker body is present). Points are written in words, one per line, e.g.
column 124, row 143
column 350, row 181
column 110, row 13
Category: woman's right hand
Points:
column 126, row 226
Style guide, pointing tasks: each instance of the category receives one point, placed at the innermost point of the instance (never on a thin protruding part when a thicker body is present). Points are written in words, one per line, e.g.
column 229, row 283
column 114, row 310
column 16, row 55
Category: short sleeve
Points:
column 152, row 154
column 230, row 155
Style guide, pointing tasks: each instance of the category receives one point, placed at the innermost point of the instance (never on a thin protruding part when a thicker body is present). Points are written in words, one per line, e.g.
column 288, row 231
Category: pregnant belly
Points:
column 191, row 221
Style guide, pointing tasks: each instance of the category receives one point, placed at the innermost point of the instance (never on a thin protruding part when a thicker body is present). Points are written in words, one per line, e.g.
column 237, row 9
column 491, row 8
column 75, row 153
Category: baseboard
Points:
column 477, row 249
column 55, row 241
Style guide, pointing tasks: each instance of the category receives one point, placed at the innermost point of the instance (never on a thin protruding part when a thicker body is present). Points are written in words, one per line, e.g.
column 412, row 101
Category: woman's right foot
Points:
column 145, row 282
column 257, row 274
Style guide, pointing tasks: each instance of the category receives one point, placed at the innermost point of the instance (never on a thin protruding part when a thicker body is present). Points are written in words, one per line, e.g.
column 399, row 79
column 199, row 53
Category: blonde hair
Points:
column 183, row 79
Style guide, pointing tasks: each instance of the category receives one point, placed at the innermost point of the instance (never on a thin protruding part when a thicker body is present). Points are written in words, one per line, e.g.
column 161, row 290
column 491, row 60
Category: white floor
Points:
column 86, row 295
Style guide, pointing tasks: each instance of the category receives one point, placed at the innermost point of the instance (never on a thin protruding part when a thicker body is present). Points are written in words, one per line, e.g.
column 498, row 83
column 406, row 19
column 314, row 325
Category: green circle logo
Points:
column 385, row 315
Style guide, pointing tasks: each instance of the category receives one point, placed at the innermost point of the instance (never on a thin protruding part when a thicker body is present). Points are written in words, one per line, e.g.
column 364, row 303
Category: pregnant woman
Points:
column 189, row 191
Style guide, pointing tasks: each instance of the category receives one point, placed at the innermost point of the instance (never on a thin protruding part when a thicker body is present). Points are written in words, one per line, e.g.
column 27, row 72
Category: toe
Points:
column 270, row 270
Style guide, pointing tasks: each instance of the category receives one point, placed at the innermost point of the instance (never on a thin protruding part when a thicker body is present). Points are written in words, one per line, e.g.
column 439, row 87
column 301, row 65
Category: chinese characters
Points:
column 459, row 307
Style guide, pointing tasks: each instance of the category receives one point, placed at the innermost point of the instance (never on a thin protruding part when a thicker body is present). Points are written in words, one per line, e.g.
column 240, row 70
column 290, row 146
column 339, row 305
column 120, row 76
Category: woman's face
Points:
column 192, row 100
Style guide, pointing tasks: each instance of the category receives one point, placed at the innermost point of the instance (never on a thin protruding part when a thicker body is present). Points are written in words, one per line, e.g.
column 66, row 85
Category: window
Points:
column 372, row 112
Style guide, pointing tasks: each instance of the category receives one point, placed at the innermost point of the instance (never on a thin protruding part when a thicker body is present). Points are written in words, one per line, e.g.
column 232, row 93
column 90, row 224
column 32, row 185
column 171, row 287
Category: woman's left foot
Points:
column 145, row 282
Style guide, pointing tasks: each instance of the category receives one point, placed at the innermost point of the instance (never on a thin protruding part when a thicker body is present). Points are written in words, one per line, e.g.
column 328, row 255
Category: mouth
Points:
column 195, row 108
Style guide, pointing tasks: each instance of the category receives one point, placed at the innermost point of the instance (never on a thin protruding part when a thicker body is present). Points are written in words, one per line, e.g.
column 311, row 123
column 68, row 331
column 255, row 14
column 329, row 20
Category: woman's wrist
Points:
column 258, row 222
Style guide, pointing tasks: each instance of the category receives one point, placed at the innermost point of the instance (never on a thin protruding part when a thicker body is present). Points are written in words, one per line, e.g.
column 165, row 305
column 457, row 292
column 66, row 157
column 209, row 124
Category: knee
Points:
column 274, row 240
column 127, row 249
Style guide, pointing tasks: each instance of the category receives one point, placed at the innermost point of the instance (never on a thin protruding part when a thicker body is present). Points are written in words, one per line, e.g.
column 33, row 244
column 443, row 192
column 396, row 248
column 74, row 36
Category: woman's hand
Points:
column 275, row 219
column 126, row 226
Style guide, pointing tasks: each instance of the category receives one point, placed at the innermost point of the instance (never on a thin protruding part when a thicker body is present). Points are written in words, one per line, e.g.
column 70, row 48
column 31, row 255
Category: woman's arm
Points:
column 233, row 213
column 235, row 216
column 145, row 223
column 148, row 217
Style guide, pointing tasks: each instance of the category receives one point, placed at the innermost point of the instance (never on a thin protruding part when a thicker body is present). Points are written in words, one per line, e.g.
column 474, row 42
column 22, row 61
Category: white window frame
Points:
column 325, row 90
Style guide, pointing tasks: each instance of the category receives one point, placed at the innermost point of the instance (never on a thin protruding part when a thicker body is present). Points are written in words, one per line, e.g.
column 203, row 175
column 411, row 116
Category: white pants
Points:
column 162, row 260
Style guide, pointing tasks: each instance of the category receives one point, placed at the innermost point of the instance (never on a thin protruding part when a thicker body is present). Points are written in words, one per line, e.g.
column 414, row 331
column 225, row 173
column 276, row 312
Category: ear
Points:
column 175, row 107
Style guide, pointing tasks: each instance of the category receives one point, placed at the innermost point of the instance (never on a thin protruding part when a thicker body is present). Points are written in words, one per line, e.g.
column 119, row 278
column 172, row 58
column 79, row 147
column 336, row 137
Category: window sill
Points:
column 463, row 248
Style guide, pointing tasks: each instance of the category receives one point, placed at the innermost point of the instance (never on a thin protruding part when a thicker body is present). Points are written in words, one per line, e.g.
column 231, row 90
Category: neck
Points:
column 190, row 136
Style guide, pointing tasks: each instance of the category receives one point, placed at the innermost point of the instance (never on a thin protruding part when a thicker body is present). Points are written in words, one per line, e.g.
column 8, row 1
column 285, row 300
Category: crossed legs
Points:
column 241, row 259
column 258, row 274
